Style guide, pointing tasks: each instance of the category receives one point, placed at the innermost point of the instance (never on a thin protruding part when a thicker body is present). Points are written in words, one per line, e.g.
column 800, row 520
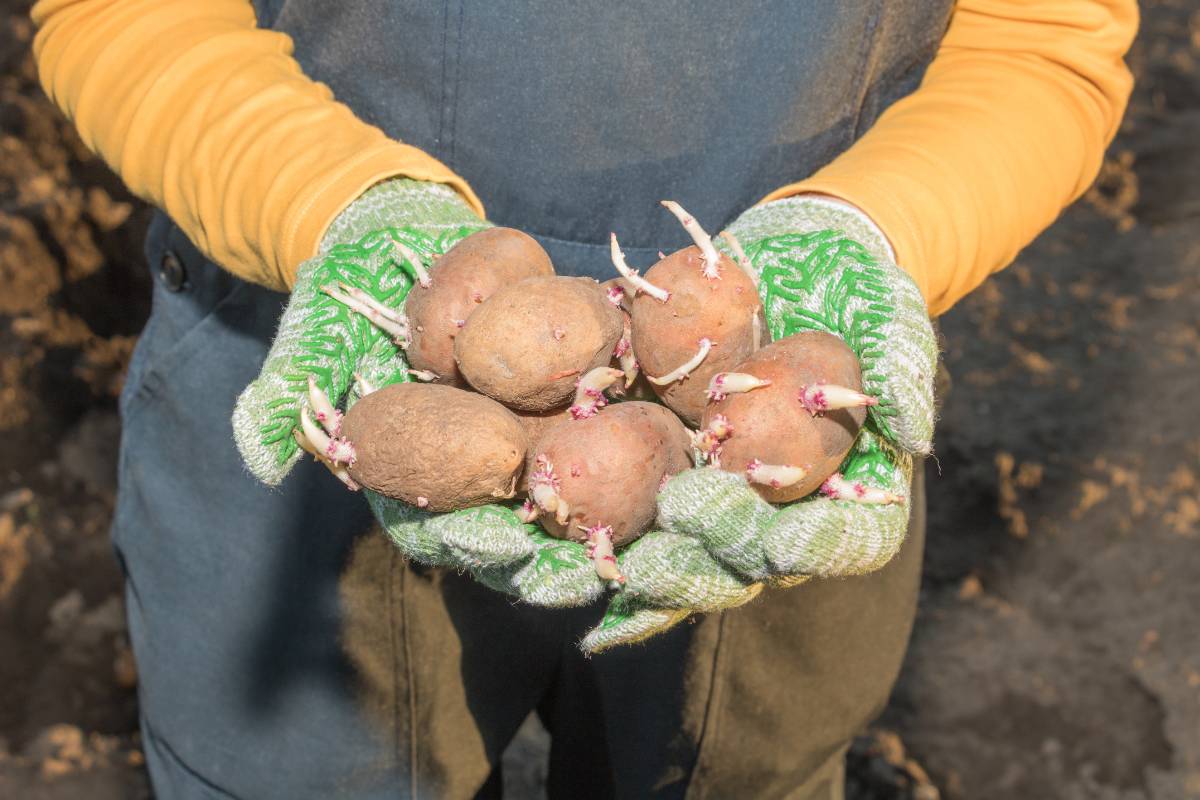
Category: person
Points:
column 283, row 650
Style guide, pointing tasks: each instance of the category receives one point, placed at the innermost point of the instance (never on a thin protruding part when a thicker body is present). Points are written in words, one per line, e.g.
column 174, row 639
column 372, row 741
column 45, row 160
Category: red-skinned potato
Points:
column 787, row 416
column 605, row 471
column 530, row 343
column 696, row 313
column 468, row 273
column 436, row 447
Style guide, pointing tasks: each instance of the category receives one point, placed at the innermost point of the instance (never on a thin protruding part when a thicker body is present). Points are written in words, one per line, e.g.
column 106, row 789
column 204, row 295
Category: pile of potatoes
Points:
column 516, row 367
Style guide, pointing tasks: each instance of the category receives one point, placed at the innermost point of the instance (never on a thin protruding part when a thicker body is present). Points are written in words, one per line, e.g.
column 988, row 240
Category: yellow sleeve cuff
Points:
column 322, row 201
column 209, row 117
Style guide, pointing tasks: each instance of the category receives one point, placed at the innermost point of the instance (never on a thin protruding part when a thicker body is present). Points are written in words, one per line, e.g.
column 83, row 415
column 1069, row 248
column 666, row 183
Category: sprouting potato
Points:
column 696, row 313
column 787, row 416
column 434, row 446
column 604, row 472
column 530, row 343
column 468, row 273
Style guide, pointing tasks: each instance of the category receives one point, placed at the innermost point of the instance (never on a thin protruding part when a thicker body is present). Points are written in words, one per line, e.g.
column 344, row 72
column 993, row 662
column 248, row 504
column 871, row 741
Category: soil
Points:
column 1056, row 652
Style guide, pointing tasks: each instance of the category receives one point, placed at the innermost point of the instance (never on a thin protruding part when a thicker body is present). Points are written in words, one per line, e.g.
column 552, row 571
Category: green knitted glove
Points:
column 498, row 549
column 824, row 266
column 322, row 340
column 668, row 577
column 821, row 265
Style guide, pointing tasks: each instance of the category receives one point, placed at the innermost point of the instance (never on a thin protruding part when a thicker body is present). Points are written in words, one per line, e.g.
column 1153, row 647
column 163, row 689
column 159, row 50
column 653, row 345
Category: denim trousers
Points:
column 287, row 650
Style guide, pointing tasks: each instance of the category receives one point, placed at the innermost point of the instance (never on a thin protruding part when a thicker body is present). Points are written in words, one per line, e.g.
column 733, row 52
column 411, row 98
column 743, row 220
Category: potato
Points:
column 468, row 273
column 724, row 310
column 535, row 424
column 679, row 438
column 608, row 468
column 529, row 343
column 434, row 446
column 619, row 293
column 771, row 426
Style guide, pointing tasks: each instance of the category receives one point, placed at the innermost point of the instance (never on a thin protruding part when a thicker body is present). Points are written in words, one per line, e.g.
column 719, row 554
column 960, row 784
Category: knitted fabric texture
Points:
column 821, row 265
column 320, row 337
column 825, row 267
column 627, row 621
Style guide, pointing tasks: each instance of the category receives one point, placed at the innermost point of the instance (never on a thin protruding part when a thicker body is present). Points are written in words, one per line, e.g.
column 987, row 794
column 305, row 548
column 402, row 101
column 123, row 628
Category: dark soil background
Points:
column 1057, row 653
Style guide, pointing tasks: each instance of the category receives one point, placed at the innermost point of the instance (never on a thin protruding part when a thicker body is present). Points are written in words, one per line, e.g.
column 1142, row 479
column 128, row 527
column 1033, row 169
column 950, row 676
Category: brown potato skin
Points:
column 457, row 449
column 508, row 349
column 770, row 424
column 679, row 439
column 535, row 424
column 610, row 467
column 666, row 335
column 465, row 276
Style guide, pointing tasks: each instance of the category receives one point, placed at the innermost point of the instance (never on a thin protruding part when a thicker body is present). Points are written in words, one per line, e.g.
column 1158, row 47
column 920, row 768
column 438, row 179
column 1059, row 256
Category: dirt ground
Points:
column 1056, row 654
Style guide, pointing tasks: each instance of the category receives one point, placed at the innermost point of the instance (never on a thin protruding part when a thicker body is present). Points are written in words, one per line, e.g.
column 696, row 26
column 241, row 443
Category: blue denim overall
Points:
column 284, row 649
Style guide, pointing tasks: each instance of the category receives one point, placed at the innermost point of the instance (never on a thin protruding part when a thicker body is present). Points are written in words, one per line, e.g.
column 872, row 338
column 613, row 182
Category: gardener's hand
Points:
column 325, row 356
column 823, row 266
column 380, row 246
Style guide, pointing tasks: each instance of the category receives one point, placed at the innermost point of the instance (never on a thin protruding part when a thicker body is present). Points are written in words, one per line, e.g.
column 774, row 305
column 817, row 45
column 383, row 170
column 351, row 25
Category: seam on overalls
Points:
column 156, row 371
column 439, row 140
column 458, row 48
column 410, row 672
column 448, row 111
column 118, row 517
column 148, row 729
column 404, row 727
column 860, row 74
column 711, row 711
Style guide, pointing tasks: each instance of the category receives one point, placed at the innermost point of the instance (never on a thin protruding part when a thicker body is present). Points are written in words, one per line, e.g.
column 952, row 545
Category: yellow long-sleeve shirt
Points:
column 209, row 117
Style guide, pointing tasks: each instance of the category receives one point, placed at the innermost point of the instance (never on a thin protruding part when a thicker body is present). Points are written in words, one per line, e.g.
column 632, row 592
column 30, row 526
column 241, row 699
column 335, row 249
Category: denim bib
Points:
column 573, row 119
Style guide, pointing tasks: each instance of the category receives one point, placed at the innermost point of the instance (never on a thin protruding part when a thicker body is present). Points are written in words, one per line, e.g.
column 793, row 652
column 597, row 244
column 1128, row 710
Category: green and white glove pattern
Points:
column 371, row 247
column 719, row 543
column 821, row 265
column 325, row 355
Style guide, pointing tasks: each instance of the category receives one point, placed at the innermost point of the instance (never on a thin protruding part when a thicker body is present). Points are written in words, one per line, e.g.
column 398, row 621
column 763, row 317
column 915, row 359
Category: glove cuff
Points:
column 824, row 265
column 813, row 213
column 398, row 203
column 428, row 217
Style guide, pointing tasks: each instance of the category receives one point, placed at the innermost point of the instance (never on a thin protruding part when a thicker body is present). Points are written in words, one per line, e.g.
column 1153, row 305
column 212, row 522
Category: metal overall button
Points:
column 172, row 272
